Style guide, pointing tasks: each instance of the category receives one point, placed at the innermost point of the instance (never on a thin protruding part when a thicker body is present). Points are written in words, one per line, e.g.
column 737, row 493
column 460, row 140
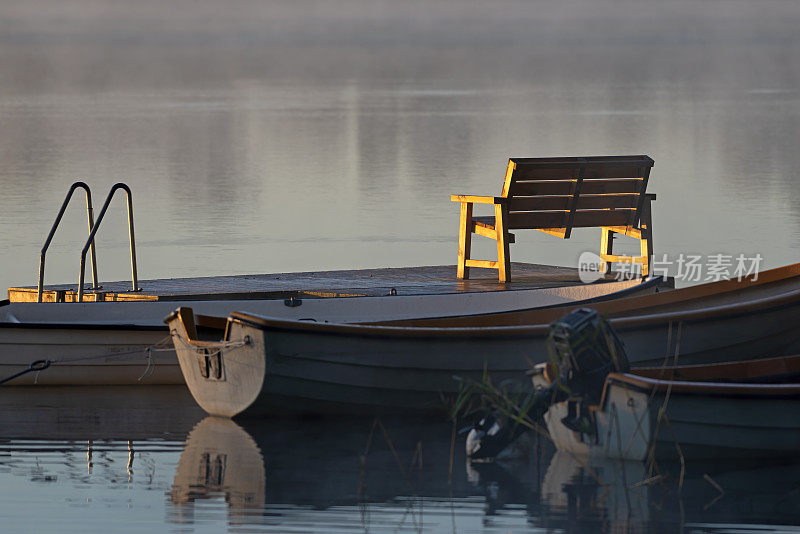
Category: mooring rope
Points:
column 38, row 365
column 161, row 345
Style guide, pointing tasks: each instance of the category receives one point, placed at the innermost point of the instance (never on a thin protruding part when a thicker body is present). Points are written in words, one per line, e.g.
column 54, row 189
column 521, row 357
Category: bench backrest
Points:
column 565, row 193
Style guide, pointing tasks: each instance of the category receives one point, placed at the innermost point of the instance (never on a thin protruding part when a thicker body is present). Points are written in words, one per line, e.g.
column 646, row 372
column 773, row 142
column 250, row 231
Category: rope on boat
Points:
column 163, row 345
column 38, row 365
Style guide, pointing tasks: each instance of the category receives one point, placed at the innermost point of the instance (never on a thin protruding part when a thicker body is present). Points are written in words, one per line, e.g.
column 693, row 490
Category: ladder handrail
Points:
column 53, row 229
column 90, row 240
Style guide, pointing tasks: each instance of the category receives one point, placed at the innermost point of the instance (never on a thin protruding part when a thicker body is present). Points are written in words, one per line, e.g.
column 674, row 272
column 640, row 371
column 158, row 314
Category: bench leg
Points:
column 464, row 240
column 503, row 256
column 646, row 242
column 606, row 247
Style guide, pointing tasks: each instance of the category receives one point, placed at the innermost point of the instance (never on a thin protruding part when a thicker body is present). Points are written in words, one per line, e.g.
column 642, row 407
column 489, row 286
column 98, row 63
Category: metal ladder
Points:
column 93, row 227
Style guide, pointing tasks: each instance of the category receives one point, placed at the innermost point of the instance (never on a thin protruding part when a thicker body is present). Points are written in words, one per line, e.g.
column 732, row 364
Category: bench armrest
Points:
column 478, row 200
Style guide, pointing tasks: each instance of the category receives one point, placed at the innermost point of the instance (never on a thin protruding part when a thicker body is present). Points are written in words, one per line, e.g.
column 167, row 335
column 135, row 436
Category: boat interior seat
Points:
column 201, row 327
column 186, row 317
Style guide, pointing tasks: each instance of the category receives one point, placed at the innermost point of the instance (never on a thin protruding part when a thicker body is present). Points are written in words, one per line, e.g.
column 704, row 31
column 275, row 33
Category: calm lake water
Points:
column 301, row 135
column 146, row 459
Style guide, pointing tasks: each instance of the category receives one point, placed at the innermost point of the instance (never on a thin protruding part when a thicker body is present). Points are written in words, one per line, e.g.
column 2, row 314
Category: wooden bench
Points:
column 555, row 195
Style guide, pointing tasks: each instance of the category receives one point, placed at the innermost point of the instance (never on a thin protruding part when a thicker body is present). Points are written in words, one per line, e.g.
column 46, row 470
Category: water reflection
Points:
column 219, row 458
column 89, row 459
column 85, row 453
column 127, row 413
column 358, row 475
column 579, row 495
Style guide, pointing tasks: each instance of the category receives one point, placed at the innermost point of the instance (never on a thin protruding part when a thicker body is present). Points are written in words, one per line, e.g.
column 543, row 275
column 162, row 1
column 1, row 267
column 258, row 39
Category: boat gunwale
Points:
column 736, row 370
column 761, row 305
column 778, row 274
column 85, row 326
column 691, row 387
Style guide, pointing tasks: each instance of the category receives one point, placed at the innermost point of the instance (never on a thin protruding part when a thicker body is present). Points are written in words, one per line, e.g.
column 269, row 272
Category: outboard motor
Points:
column 584, row 349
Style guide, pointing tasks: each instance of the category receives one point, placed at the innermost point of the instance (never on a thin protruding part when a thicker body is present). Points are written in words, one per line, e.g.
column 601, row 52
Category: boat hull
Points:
column 640, row 418
column 89, row 356
column 320, row 368
column 105, row 343
column 697, row 426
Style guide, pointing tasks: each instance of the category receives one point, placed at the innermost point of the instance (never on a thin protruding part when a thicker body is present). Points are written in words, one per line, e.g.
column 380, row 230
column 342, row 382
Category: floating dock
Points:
column 430, row 280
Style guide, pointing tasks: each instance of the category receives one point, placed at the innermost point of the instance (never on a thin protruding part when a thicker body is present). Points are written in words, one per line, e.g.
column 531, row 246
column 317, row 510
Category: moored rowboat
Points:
column 105, row 343
column 263, row 364
column 728, row 409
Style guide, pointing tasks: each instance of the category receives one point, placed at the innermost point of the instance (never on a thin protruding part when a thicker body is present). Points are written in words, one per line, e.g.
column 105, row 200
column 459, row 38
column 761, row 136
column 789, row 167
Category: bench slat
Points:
column 558, row 219
column 585, row 202
column 486, row 221
column 539, row 172
column 538, row 203
column 536, row 172
column 567, row 171
column 616, row 171
column 486, row 264
column 566, row 160
column 589, row 187
column 485, row 226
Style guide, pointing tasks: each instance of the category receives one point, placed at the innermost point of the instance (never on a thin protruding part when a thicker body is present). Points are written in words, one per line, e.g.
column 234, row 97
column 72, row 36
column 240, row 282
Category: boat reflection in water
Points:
column 358, row 474
column 220, row 458
column 578, row 494
column 366, row 475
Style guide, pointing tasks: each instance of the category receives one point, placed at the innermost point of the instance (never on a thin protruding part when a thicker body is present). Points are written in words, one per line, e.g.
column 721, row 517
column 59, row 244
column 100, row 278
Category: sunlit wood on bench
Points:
column 555, row 195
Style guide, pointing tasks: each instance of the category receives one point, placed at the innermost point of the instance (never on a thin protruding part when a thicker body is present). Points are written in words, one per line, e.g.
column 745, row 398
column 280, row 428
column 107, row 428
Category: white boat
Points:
column 731, row 409
column 106, row 343
column 265, row 364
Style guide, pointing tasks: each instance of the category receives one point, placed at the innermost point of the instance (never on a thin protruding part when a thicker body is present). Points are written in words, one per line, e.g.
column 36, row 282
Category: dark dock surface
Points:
column 430, row 280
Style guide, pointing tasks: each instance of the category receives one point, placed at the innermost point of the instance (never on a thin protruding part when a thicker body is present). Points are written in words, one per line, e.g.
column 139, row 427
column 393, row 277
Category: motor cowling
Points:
column 583, row 349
